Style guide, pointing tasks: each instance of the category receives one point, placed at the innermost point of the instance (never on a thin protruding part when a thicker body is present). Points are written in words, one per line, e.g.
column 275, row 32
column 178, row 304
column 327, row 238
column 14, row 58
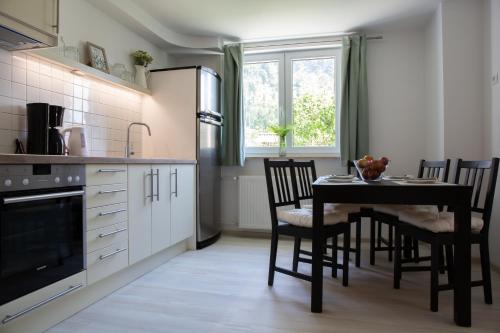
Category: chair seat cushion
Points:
column 302, row 217
column 396, row 209
column 437, row 222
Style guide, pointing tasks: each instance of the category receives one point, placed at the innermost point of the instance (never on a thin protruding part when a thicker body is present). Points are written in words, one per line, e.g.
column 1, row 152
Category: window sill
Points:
column 293, row 155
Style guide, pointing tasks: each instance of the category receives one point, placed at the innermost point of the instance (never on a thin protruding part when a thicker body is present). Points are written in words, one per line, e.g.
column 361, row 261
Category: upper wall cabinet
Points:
column 28, row 24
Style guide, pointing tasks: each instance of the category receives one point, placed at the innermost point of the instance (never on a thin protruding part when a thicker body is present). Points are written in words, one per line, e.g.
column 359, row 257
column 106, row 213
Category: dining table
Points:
column 399, row 192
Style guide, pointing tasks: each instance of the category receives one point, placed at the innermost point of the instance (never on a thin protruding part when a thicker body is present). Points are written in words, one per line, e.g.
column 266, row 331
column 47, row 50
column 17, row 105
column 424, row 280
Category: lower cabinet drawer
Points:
column 104, row 262
column 103, row 195
column 23, row 306
column 104, row 237
column 105, row 216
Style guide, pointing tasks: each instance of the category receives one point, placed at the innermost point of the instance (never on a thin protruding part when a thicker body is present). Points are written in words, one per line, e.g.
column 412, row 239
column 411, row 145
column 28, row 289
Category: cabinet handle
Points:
column 9, row 318
column 55, row 24
column 157, row 184
column 152, row 196
column 112, row 233
column 111, row 170
column 112, row 191
column 112, row 212
column 175, row 174
column 104, row 256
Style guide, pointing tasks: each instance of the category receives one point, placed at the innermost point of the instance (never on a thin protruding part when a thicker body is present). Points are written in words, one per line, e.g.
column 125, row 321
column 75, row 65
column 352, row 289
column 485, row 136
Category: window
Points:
column 294, row 89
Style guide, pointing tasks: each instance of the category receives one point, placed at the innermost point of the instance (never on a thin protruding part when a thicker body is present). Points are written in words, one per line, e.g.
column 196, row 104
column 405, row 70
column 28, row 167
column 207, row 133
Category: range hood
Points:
column 18, row 35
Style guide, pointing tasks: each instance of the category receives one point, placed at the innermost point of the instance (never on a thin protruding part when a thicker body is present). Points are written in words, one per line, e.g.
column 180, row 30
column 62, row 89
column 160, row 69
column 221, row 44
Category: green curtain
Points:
column 354, row 99
column 233, row 147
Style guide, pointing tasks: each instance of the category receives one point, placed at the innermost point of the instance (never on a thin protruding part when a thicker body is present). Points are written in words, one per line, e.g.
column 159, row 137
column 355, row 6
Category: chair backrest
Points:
column 438, row 169
column 281, row 186
column 472, row 173
column 305, row 174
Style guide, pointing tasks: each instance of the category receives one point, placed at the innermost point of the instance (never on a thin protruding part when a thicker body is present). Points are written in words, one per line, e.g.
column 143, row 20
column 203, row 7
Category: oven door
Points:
column 41, row 239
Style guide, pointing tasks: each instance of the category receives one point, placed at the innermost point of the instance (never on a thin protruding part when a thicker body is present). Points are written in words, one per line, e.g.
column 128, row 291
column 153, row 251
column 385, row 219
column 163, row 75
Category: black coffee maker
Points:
column 56, row 139
column 43, row 136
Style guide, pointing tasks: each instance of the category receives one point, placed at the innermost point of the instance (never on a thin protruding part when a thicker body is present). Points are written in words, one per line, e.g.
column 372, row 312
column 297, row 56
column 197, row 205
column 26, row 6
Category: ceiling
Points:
column 274, row 19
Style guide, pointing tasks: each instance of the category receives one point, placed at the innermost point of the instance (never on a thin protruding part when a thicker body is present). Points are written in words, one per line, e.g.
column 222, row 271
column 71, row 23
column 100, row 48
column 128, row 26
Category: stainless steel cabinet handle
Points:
column 112, row 233
column 112, row 191
column 39, row 197
column 9, row 318
column 112, row 212
column 152, row 184
column 175, row 174
column 104, row 256
column 157, row 184
column 111, row 170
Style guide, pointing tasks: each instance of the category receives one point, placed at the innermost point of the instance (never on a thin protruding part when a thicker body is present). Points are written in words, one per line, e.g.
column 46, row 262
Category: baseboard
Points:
column 53, row 313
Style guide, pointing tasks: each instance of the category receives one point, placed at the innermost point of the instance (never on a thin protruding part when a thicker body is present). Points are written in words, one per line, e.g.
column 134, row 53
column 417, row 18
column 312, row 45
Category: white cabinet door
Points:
column 139, row 204
column 183, row 202
column 161, row 208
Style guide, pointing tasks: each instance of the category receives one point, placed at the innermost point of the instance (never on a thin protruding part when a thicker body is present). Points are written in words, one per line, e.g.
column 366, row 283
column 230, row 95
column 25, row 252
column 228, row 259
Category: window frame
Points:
column 284, row 60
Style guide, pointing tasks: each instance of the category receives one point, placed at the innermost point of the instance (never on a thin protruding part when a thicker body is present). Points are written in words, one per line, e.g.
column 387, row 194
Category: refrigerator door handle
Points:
column 211, row 121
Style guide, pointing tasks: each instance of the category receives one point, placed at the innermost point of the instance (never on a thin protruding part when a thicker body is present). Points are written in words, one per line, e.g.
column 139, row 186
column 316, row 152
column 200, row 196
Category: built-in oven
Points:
column 41, row 226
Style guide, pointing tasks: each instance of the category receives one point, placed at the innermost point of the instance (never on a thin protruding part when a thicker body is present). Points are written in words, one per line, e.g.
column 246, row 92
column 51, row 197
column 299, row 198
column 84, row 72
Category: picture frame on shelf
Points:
column 97, row 57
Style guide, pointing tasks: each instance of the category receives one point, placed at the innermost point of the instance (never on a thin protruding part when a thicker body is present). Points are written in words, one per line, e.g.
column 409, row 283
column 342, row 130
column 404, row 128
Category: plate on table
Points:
column 422, row 181
column 342, row 180
column 342, row 177
column 405, row 177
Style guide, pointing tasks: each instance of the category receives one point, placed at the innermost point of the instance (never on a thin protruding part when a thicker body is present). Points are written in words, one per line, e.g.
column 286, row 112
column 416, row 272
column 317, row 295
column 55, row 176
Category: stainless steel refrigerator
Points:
column 209, row 131
column 186, row 121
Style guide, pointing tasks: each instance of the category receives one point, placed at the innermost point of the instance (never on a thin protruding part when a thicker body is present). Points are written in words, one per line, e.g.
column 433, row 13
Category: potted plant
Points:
column 141, row 60
column 281, row 132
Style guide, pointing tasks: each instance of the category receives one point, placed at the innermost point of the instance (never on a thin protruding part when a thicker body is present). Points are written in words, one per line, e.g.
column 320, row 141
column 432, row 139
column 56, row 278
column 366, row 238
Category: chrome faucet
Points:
column 127, row 148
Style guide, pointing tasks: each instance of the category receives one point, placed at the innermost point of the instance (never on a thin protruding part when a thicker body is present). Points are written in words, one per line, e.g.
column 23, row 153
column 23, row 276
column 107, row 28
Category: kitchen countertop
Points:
column 61, row 159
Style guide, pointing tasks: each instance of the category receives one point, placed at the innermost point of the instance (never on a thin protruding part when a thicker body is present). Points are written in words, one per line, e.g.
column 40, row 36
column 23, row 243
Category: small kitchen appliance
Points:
column 56, row 139
column 38, row 128
column 77, row 142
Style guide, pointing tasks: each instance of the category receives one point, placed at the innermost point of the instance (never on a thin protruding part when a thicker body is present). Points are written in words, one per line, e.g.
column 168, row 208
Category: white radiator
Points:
column 253, row 203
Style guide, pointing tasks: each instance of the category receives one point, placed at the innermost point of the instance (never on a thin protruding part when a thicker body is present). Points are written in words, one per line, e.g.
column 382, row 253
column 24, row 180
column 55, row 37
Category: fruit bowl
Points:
column 370, row 169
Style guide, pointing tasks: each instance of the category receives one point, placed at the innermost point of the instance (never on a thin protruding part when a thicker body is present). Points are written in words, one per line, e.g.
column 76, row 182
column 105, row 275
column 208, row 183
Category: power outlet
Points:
column 494, row 79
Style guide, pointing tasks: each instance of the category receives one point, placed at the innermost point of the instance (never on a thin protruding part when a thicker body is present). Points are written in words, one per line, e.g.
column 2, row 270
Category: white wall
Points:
column 492, row 111
column 397, row 98
column 82, row 22
column 215, row 62
column 434, row 85
column 462, row 28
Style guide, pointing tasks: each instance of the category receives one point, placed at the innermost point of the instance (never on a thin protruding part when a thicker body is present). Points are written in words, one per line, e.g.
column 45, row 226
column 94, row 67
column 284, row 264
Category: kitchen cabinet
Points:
column 106, row 214
column 43, row 15
column 183, row 211
column 140, row 210
column 161, row 207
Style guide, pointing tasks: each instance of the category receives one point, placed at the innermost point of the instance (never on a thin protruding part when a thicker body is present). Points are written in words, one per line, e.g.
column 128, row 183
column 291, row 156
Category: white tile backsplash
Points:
column 104, row 110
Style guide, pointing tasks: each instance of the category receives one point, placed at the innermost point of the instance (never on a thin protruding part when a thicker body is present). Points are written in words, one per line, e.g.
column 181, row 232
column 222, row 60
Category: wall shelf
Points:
column 50, row 56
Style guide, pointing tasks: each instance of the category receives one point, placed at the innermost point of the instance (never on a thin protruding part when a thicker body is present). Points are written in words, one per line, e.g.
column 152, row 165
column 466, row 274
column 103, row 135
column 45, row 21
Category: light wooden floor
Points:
column 223, row 288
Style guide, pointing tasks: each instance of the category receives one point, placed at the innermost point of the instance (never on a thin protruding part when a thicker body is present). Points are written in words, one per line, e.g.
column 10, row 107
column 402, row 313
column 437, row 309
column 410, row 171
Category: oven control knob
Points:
column 26, row 181
column 77, row 178
column 7, row 182
column 70, row 179
column 57, row 180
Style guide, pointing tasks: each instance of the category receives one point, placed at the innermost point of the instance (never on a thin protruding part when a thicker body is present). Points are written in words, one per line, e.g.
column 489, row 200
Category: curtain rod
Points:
column 337, row 39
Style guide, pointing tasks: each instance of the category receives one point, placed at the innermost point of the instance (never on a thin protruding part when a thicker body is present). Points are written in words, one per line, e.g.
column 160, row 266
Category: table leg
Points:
column 462, row 265
column 317, row 256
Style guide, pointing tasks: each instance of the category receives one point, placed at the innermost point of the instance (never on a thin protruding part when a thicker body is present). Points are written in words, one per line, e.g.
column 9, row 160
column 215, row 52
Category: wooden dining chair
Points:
column 283, row 179
column 388, row 215
column 437, row 229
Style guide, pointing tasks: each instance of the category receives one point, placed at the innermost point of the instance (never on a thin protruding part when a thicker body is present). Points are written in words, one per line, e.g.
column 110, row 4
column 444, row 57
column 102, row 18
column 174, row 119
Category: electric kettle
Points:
column 77, row 143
